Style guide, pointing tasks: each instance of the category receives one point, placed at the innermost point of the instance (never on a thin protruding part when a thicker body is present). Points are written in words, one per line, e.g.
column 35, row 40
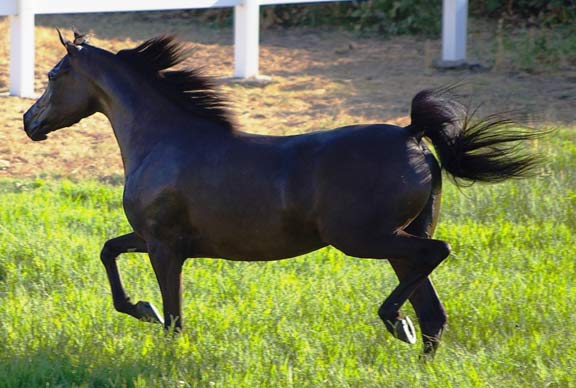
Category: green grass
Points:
column 539, row 50
column 308, row 322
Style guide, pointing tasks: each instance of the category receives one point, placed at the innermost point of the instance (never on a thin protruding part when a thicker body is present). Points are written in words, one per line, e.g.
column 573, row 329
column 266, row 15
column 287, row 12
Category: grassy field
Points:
column 308, row 322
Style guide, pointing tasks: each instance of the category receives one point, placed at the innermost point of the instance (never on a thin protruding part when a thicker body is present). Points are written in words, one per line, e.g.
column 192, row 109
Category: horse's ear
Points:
column 79, row 38
column 61, row 38
column 71, row 47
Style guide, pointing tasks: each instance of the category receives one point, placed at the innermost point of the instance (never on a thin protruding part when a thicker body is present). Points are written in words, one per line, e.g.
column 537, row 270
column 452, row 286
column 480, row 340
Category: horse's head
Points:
column 69, row 96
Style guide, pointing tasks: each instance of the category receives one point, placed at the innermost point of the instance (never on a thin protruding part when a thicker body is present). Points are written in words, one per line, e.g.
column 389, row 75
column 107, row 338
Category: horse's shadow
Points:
column 51, row 366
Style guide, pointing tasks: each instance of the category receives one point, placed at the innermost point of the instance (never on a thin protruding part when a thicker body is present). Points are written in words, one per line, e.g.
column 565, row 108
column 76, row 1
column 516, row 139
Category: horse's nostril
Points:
column 27, row 120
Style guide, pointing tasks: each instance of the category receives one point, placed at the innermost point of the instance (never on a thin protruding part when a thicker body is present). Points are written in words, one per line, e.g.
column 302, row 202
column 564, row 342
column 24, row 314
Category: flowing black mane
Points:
column 188, row 88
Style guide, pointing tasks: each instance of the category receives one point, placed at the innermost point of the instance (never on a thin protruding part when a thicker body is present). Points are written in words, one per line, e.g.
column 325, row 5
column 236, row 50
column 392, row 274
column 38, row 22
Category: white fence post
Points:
column 22, row 13
column 246, row 38
column 454, row 26
column 22, row 50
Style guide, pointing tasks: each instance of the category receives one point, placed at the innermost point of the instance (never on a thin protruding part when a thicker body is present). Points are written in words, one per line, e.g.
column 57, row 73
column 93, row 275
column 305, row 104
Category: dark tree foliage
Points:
column 398, row 17
column 541, row 12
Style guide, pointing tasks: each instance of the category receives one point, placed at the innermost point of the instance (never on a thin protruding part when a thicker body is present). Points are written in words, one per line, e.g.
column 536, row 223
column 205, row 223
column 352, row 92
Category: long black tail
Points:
column 488, row 150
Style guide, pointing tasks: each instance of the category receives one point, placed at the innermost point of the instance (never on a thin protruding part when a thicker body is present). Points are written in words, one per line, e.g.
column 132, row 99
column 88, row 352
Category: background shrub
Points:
column 398, row 17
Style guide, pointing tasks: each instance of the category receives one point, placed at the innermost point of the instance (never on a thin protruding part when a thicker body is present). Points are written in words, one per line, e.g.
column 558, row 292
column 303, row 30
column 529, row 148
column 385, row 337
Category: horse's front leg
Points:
column 167, row 263
column 110, row 251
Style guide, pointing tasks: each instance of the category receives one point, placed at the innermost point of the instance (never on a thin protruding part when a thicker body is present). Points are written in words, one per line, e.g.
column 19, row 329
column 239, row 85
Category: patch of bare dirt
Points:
column 321, row 79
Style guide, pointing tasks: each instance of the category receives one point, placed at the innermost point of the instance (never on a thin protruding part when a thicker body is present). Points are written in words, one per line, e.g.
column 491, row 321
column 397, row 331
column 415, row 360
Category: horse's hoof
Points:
column 148, row 312
column 430, row 347
column 403, row 329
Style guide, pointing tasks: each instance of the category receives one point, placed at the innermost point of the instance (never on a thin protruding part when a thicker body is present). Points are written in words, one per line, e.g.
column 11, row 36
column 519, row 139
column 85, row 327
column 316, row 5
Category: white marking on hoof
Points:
column 405, row 330
column 149, row 312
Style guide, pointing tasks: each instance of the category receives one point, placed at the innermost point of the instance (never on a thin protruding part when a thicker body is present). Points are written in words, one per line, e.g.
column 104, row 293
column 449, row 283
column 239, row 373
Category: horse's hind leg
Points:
column 110, row 251
column 429, row 310
column 420, row 255
column 422, row 259
column 431, row 314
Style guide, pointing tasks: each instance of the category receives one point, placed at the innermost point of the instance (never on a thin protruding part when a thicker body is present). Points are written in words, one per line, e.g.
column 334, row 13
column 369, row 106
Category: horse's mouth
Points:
column 38, row 137
column 35, row 125
column 36, row 132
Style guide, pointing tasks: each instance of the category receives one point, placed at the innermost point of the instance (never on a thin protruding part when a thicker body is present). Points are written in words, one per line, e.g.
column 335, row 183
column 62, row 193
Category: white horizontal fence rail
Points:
column 246, row 29
column 71, row 6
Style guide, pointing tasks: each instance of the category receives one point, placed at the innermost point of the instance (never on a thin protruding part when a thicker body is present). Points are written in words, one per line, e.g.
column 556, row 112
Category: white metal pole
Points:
column 454, row 30
column 246, row 38
column 22, row 50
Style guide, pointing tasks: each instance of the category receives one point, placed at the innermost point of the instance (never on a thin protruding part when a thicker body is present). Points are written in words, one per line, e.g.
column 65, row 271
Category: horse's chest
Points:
column 153, row 213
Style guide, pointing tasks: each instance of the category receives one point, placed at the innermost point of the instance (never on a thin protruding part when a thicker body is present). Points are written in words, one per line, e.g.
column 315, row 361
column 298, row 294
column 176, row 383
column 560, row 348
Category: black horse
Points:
column 196, row 186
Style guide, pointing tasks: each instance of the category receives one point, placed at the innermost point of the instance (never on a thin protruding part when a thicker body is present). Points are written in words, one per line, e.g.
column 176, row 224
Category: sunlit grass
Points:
column 307, row 322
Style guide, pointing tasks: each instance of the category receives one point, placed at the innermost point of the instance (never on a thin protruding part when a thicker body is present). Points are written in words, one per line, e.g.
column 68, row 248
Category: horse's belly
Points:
column 263, row 244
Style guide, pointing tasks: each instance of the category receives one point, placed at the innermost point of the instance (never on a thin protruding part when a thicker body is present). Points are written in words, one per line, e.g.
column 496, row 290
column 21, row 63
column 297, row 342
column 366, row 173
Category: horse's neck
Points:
column 135, row 111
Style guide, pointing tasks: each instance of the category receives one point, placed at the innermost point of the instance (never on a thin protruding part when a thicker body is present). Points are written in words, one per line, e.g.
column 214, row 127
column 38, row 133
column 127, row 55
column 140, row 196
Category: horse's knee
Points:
column 108, row 252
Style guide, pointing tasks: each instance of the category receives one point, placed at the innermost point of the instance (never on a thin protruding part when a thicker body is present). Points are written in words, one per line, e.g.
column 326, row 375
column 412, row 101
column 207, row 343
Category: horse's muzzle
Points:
column 34, row 127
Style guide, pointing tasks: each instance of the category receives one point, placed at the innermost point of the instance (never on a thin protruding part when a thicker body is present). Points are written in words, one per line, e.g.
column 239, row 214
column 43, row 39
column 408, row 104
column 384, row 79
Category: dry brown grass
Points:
column 321, row 79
